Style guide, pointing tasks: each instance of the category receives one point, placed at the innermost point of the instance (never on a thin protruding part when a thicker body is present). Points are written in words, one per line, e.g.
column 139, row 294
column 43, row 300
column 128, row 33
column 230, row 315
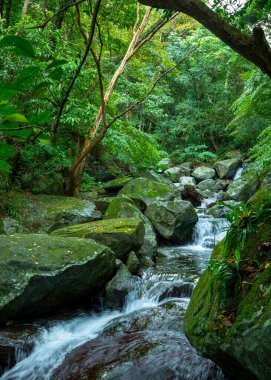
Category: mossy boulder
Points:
column 226, row 169
column 40, row 273
column 176, row 172
column 221, row 210
column 244, row 187
column 173, row 220
column 148, row 191
column 103, row 203
column 229, row 321
column 116, row 184
column 45, row 213
column 121, row 235
column 203, row 172
column 9, row 226
column 210, row 185
column 124, row 207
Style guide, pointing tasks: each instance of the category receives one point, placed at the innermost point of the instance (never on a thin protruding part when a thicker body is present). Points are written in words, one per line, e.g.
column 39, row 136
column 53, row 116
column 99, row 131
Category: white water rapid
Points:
column 175, row 266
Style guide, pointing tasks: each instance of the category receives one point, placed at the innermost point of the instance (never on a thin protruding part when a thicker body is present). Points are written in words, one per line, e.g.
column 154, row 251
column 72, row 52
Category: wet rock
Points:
column 147, row 191
column 183, row 181
column 148, row 344
column 192, row 195
column 181, row 290
column 133, row 263
column 227, row 169
column 173, row 220
column 121, row 235
column 41, row 273
column 210, row 185
column 89, row 196
column 45, row 213
column 207, row 194
column 203, row 172
column 244, row 187
column 124, row 207
column 119, row 287
column 221, row 210
column 154, row 176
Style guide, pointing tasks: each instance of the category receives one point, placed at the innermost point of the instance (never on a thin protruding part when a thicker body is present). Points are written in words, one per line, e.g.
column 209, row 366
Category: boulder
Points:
column 103, row 203
column 203, row 172
column 41, row 273
column 148, row 191
column 192, row 195
column 121, row 235
column 173, row 220
column 209, row 184
column 221, row 210
column 237, row 154
column 164, row 164
column 154, row 176
column 9, row 226
column 244, row 187
column 124, row 207
column 119, row 287
column 229, row 315
column 45, row 213
column 176, row 172
column 116, row 184
column 133, row 264
column 227, row 169
column 185, row 180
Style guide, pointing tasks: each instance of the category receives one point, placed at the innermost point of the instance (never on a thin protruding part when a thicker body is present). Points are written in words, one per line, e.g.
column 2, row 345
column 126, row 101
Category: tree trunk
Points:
column 61, row 16
column 76, row 171
column 26, row 7
column 254, row 48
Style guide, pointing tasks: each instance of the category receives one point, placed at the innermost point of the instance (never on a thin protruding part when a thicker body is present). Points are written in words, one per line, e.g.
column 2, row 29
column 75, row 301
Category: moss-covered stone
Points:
column 226, row 169
column 40, row 273
column 235, row 333
column 117, row 184
column 244, row 187
column 203, row 172
column 148, row 191
column 124, row 207
column 45, row 213
column 173, row 220
column 103, row 203
column 121, row 235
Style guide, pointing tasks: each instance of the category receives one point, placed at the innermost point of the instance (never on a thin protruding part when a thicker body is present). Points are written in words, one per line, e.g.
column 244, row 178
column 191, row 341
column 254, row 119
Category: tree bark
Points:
column 253, row 47
column 26, row 7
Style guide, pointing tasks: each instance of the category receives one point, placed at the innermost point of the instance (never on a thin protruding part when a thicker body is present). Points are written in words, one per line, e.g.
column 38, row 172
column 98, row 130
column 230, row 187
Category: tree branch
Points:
column 254, row 48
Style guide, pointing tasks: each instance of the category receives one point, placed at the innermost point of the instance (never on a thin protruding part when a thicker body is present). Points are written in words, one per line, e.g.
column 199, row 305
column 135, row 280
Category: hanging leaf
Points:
column 16, row 117
column 7, row 90
column 56, row 63
column 40, row 89
column 21, row 46
column 39, row 119
column 27, row 75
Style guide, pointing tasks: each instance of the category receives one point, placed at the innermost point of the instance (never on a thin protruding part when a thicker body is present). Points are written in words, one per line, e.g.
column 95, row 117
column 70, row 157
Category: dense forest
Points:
column 135, row 163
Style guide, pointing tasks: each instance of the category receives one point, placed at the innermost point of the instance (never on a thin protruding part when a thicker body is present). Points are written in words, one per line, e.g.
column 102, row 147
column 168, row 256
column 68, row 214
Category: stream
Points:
column 143, row 340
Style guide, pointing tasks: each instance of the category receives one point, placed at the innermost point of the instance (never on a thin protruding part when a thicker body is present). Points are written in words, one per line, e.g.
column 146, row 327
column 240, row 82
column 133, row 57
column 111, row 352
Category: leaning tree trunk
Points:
column 76, row 171
column 26, row 7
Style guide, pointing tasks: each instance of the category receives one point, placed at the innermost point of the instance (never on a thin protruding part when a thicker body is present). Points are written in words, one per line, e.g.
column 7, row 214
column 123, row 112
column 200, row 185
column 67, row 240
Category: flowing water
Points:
column 143, row 340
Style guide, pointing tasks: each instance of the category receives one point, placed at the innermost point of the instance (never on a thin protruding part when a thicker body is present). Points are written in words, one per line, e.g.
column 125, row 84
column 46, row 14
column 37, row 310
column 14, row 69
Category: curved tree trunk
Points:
column 254, row 47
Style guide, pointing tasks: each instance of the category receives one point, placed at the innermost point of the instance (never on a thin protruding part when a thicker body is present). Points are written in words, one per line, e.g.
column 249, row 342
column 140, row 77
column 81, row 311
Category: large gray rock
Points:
column 244, row 187
column 148, row 191
column 116, row 184
column 124, row 207
column 40, row 273
column 119, row 287
column 226, row 169
column 203, row 172
column 173, row 220
column 121, row 235
column 45, row 213
column 185, row 180
column 164, row 164
column 176, row 172
column 209, row 184
column 10, row 226
column 221, row 210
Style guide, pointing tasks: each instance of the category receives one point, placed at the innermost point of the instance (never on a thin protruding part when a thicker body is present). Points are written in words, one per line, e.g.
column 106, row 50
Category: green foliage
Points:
column 197, row 153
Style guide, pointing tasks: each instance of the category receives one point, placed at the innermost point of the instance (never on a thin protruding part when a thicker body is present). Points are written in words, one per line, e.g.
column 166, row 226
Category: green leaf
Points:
column 16, row 117
column 7, row 90
column 21, row 45
column 28, row 74
column 39, row 119
column 6, row 151
column 56, row 74
column 56, row 63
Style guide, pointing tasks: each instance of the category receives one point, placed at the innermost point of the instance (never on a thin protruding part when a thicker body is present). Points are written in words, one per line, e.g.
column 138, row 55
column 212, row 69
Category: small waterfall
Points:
column 238, row 173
